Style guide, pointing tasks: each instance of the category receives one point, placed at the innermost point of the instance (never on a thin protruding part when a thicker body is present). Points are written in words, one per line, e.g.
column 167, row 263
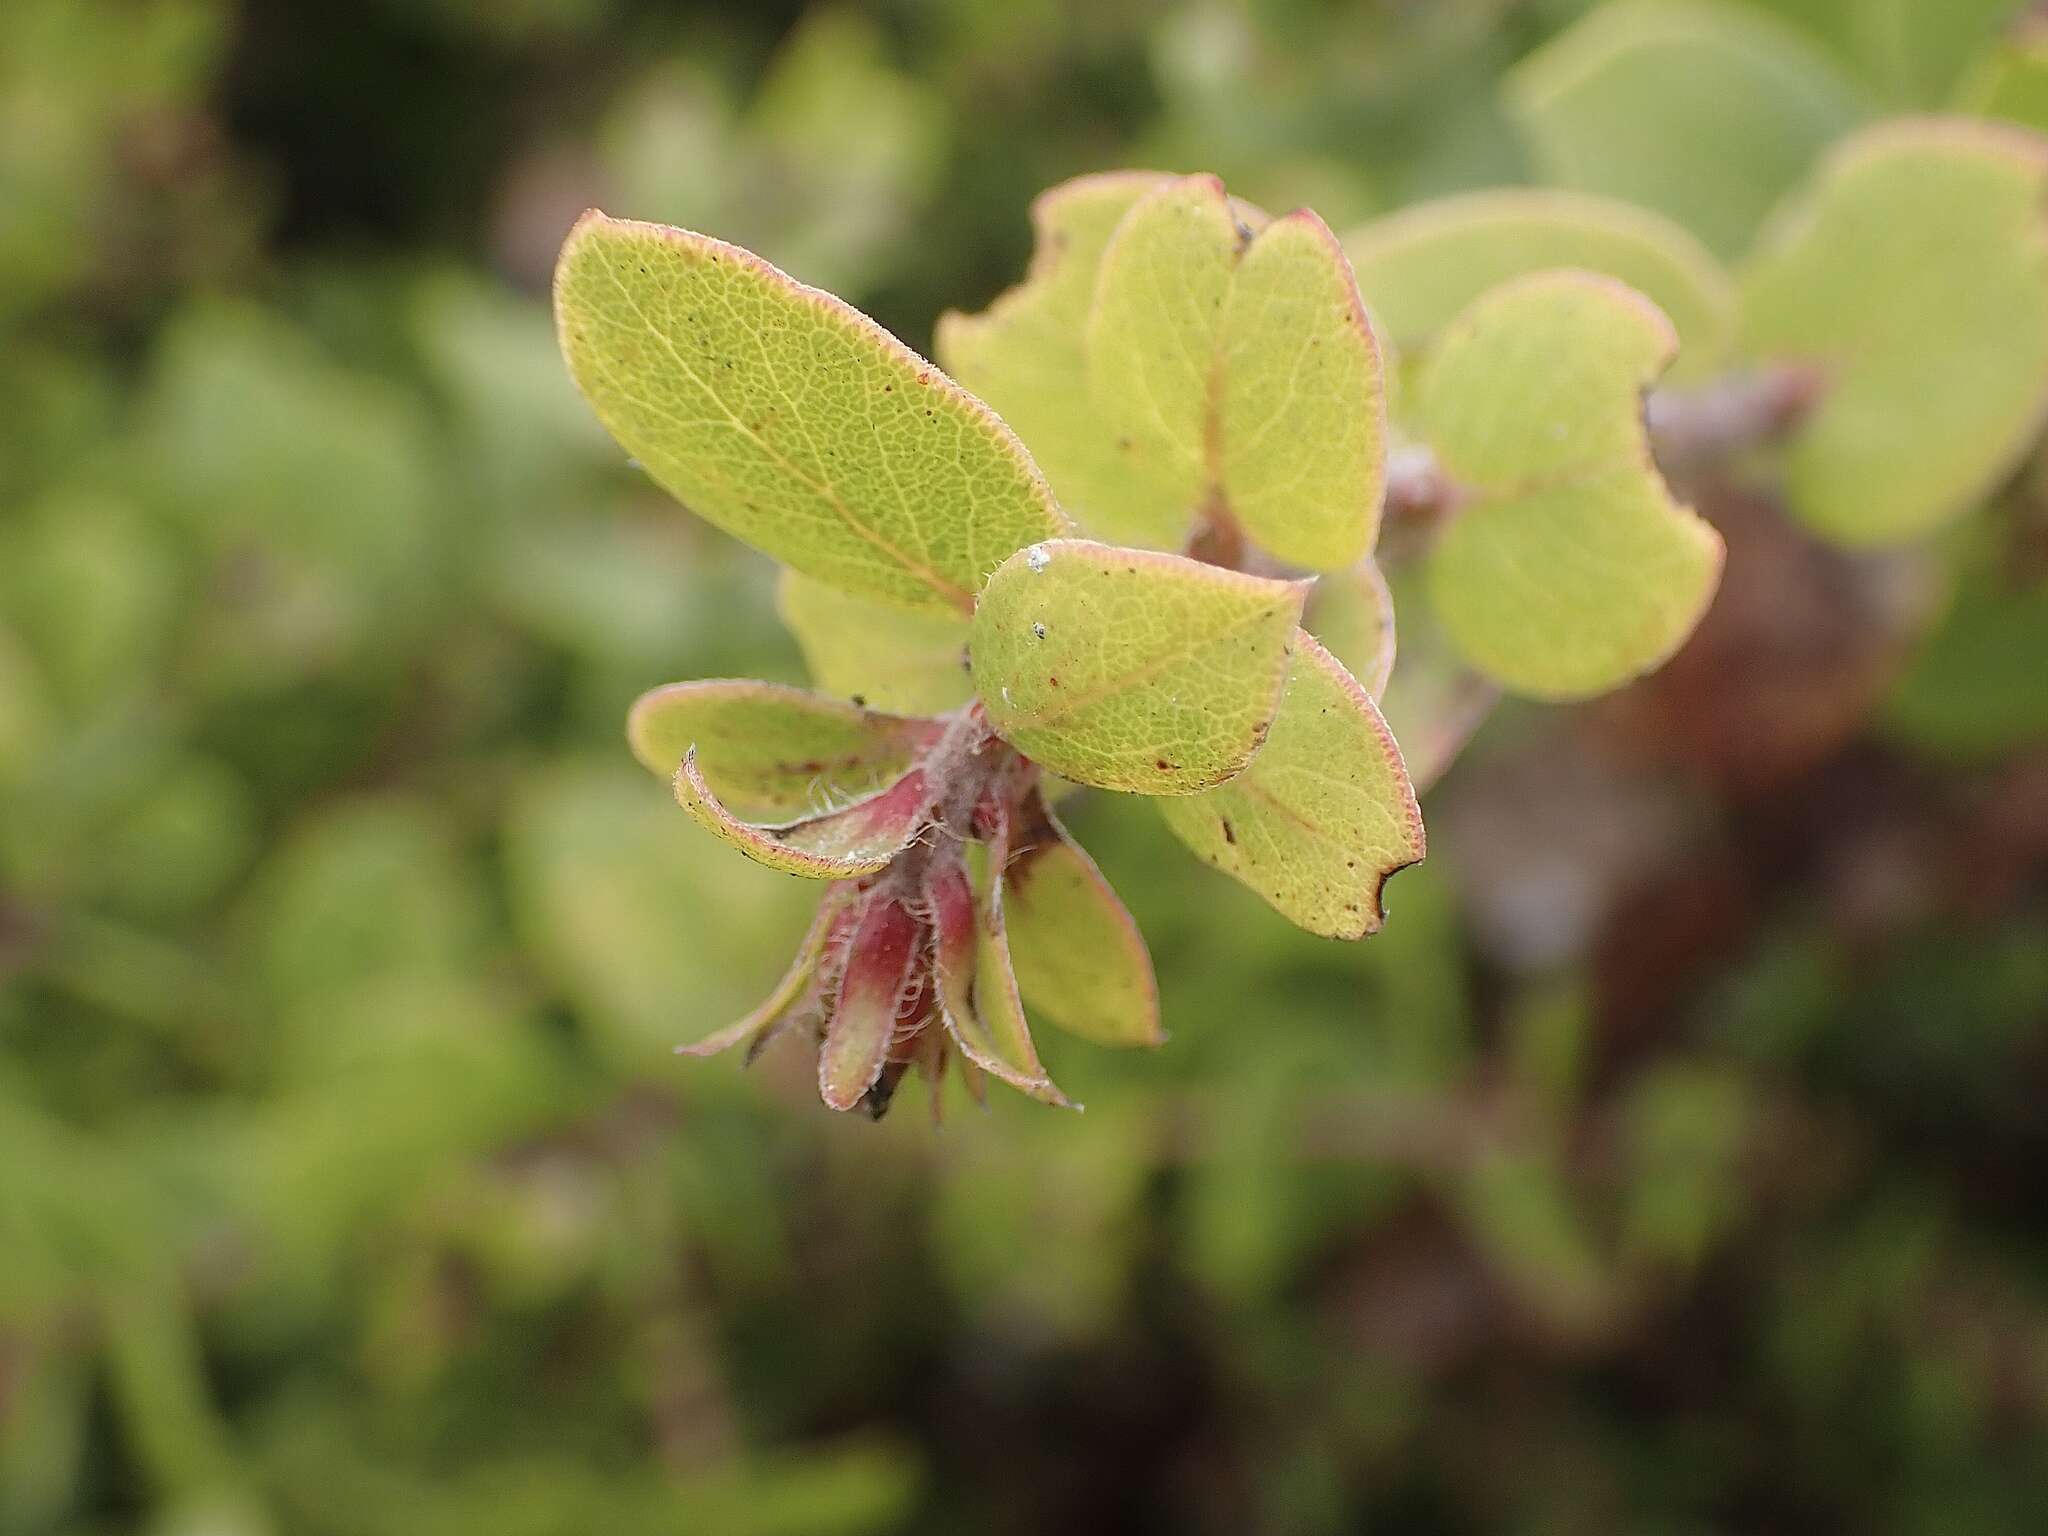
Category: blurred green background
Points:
column 1675, row 1162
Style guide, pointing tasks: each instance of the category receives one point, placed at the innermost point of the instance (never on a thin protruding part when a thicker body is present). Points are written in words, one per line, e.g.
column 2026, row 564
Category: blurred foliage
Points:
column 1672, row 1162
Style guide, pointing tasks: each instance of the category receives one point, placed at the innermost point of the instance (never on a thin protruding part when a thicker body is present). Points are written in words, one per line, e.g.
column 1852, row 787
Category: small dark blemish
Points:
column 1229, row 832
column 860, row 701
column 1162, row 765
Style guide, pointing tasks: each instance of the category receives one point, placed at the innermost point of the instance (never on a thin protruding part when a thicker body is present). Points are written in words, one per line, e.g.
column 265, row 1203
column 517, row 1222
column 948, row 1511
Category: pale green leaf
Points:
column 1912, row 50
column 1704, row 112
column 1352, row 613
column 1419, row 268
column 1300, row 407
column 1915, row 272
column 2010, row 82
column 1323, row 815
column 977, row 987
column 1079, row 957
column 1156, row 325
column 770, row 750
column 861, row 839
column 1568, row 568
column 1240, row 368
column 788, row 990
column 1025, row 356
column 1126, row 669
column 899, row 659
column 792, row 420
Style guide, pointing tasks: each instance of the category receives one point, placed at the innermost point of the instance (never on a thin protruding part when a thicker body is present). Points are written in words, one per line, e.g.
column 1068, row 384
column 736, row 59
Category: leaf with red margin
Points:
column 1324, row 814
column 1125, row 669
column 787, row 990
column 790, row 419
column 977, row 991
column 880, row 963
column 771, row 751
column 1078, row 956
column 860, row 840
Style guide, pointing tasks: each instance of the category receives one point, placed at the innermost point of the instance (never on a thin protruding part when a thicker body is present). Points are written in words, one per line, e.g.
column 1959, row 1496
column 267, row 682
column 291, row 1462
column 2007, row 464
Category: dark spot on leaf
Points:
column 1162, row 765
column 1229, row 832
column 860, row 701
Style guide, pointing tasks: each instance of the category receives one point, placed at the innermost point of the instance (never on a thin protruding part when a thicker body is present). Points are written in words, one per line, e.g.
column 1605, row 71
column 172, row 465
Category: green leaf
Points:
column 1912, row 50
column 791, row 420
column 1241, row 370
column 1706, row 113
column 789, row 989
column 2010, row 82
column 1025, row 356
column 862, row 839
column 912, row 663
column 977, row 986
column 1323, row 815
column 1301, row 407
column 1915, row 272
column 1127, row 669
column 1352, row 613
column 771, row 750
column 1419, row 268
column 1568, row 567
column 1079, row 957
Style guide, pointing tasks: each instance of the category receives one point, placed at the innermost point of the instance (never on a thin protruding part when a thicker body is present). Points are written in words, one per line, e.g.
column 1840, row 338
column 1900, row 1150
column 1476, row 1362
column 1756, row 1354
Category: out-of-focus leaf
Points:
column 1419, row 268
column 1971, row 691
column 649, row 929
column 1324, row 813
column 913, row 663
column 1240, row 367
column 309, row 487
column 792, row 420
column 1705, row 112
column 1352, row 612
column 1915, row 272
column 1569, row 568
column 2010, row 82
column 770, row 750
column 1911, row 50
column 1126, row 669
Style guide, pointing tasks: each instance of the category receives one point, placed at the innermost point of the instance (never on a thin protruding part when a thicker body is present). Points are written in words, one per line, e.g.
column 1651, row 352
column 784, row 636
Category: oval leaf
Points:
column 860, row 840
column 913, row 663
column 1301, row 407
column 1419, row 268
column 791, row 420
column 1916, row 274
column 1241, row 370
column 1125, row 669
column 1568, row 568
column 1079, row 958
column 773, row 751
column 1324, row 814
column 1026, row 352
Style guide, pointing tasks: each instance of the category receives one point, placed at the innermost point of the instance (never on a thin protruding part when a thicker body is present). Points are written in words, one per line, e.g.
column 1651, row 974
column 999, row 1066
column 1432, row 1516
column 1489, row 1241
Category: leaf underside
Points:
column 770, row 751
column 861, row 839
column 908, row 662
